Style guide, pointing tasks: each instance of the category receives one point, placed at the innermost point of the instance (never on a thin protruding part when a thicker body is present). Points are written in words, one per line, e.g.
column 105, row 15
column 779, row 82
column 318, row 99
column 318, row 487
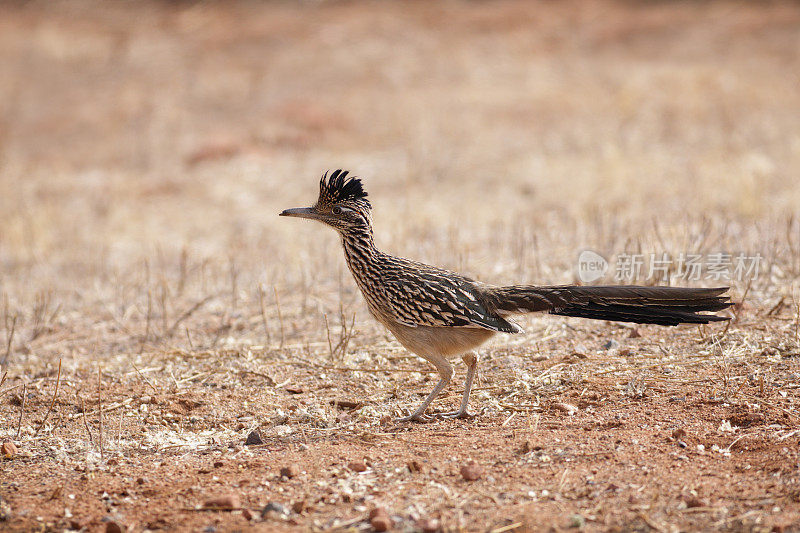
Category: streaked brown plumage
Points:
column 438, row 314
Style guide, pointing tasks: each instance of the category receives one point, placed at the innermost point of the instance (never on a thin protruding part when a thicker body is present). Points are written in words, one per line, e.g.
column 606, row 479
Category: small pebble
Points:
column 611, row 345
column 678, row 433
column 357, row 466
column 379, row 519
column 114, row 527
column 275, row 509
column 471, row 471
column 299, row 506
column 634, row 334
column 9, row 449
column 247, row 514
column 290, row 471
column 346, row 404
column 227, row 502
column 254, row 438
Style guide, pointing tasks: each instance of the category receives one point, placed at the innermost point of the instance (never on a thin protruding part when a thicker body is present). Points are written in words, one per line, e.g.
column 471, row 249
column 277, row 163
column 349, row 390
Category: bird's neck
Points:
column 362, row 257
column 359, row 242
column 365, row 263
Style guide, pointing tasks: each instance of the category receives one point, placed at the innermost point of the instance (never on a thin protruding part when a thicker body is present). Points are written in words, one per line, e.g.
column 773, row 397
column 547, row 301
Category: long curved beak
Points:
column 301, row 212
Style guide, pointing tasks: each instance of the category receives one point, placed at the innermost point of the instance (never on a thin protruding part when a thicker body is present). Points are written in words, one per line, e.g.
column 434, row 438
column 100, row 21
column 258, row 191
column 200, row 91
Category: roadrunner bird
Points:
column 438, row 314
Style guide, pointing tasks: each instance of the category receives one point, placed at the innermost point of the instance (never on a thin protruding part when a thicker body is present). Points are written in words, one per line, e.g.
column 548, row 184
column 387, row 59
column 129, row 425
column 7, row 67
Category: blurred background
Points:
column 147, row 147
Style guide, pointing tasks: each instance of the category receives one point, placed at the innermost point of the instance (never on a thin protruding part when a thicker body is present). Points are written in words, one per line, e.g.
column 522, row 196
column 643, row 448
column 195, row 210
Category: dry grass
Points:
column 145, row 157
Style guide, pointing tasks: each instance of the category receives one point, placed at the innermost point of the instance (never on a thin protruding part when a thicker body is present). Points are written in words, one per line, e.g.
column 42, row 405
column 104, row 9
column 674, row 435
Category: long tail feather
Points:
column 667, row 306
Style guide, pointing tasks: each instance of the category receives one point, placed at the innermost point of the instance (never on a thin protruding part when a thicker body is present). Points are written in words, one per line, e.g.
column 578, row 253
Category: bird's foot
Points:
column 419, row 418
column 461, row 413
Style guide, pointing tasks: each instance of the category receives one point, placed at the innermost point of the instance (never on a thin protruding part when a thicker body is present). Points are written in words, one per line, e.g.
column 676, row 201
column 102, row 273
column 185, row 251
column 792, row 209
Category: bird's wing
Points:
column 434, row 297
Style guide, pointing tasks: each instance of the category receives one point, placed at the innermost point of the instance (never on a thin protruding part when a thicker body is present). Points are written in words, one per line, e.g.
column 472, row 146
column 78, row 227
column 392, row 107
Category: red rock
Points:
column 678, row 433
column 290, row 471
column 379, row 519
column 227, row 502
column 299, row 506
column 471, row 471
column 9, row 449
column 357, row 466
column 114, row 527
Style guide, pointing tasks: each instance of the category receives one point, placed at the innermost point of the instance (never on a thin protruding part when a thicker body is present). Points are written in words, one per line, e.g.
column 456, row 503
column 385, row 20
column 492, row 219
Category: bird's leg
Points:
column 471, row 360
column 446, row 372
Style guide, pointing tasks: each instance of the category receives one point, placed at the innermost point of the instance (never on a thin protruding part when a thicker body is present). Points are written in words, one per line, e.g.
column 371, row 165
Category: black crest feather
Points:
column 338, row 188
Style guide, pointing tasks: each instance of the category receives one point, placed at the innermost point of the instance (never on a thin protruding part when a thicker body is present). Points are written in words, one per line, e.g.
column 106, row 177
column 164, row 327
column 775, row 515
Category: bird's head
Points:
column 342, row 204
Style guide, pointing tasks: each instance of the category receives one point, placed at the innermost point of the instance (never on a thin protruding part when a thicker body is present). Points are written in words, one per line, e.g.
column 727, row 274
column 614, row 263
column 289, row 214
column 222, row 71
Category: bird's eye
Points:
column 337, row 210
